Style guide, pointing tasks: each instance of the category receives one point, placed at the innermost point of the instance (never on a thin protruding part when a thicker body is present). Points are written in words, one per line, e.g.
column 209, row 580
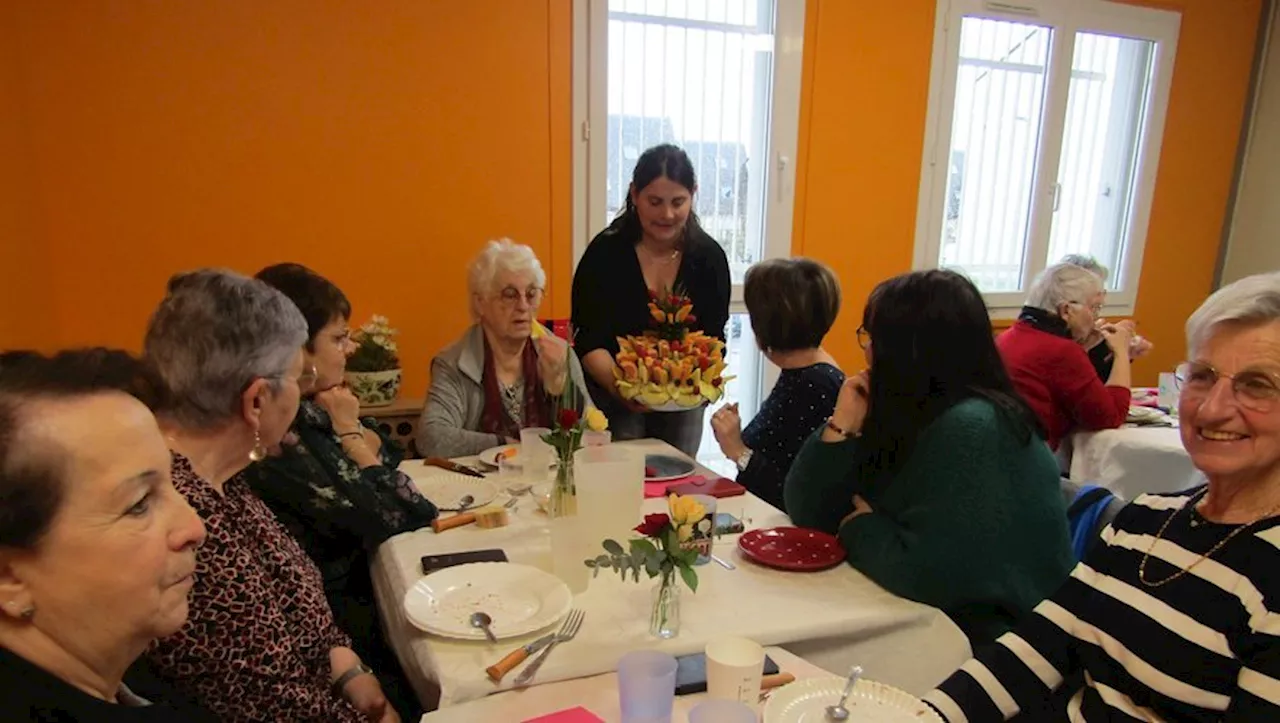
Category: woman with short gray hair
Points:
column 507, row 372
column 1049, row 367
column 1100, row 354
column 260, row 643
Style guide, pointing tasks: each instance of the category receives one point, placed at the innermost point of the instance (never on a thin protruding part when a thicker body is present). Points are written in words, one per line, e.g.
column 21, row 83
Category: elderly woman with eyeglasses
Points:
column 506, row 373
column 1051, row 370
column 1175, row 616
column 261, row 643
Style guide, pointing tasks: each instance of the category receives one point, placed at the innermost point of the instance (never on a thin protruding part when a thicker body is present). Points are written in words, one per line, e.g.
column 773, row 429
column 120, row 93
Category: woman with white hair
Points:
column 1100, row 353
column 1049, row 367
column 501, row 376
column 1174, row 616
column 260, row 643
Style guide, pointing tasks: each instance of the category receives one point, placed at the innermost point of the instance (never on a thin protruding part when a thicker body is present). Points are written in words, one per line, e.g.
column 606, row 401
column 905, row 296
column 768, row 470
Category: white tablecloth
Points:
column 598, row 694
column 832, row 618
column 1133, row 460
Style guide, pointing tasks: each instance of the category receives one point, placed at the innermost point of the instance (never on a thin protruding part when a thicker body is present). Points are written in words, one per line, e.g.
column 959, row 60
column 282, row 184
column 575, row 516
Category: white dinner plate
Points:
column 447, row 490
column 520, row 599
column 806, row 701
column 491, row 457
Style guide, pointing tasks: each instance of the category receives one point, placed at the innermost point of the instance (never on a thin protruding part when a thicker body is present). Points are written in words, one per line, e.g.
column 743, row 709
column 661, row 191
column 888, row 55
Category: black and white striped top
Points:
column 1204, row 647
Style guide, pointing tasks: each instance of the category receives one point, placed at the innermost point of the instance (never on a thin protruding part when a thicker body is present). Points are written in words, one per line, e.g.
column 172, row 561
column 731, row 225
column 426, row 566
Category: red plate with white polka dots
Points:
column 792, row 548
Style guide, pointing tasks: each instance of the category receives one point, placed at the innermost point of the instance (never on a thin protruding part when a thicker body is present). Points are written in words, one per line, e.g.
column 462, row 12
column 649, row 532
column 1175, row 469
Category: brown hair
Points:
column 792, row 302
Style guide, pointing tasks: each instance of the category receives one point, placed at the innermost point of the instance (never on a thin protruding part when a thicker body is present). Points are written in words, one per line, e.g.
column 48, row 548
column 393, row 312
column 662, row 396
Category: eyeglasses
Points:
column 1253, row 390
column 1095, row 309
column 864, row 337
column 510, row 296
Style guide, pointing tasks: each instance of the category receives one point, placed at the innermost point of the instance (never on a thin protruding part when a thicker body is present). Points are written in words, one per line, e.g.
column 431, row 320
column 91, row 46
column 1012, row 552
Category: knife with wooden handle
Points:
column 440, row 524
column 777, row 680
column 516, row 657
column 452, row 466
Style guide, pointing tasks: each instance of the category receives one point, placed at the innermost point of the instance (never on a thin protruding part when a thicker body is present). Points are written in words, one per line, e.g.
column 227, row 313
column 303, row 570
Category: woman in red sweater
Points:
column 1048, row 366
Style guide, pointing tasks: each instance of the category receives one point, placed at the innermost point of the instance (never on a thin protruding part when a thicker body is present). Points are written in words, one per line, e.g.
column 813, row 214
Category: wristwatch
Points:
column 354, row 671
column 744, row 459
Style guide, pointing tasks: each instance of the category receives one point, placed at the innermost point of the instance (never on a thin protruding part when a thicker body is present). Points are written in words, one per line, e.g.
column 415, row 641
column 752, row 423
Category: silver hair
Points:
column 212, row 335
column 1063, row 283
column 497, row 257
column 1085, row 261
column 1251, row 300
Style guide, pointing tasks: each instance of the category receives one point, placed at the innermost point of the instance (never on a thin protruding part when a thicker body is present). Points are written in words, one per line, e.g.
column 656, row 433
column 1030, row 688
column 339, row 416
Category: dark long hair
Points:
column 664, row 161
column 932, row 348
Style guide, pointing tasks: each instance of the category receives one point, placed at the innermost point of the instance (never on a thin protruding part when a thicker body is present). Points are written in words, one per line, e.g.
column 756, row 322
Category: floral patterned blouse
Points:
column 337, row 511
column 256, row 644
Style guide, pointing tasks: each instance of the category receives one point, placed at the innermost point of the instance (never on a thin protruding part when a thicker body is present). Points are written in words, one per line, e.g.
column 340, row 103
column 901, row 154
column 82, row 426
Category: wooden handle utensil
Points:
column 776, row 680
column 507, row 664
column 440, row 524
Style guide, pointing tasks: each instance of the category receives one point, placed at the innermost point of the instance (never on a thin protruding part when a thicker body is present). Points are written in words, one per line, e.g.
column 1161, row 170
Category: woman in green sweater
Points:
column 932, row 470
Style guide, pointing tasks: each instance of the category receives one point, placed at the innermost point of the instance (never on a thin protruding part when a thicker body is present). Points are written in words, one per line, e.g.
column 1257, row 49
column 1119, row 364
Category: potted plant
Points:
column 373, row 370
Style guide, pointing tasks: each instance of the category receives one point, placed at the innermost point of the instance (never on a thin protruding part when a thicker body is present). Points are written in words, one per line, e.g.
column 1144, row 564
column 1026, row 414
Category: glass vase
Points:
column 664, row 620
column 569, row 546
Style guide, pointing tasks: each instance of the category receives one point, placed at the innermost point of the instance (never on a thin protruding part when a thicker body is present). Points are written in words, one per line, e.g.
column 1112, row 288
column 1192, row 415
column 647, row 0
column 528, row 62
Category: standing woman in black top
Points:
column 654, row 244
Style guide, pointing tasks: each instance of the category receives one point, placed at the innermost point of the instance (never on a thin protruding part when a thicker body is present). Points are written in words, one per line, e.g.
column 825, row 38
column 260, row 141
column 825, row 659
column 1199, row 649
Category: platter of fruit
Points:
column 670, row 368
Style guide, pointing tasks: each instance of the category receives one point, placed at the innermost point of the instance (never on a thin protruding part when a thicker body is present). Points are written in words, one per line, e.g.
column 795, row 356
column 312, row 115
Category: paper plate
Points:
column 520, row 599
column 792, row 548
column 492, row 456
column 447, row 490
column 806, row 701
column 665, row 467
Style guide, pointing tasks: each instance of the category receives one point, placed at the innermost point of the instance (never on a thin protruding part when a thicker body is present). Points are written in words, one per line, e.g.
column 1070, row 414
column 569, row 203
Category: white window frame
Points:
column 590, row 109
column 1067, row 17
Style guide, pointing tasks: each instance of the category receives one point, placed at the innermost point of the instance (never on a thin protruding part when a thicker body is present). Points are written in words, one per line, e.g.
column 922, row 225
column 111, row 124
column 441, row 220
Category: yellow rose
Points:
column 685, row 510
column 596, row 421
column 684, row 532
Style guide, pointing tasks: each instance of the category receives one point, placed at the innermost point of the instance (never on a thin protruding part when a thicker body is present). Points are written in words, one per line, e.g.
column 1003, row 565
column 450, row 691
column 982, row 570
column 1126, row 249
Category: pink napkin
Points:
column 659, row 489
column 570, row 715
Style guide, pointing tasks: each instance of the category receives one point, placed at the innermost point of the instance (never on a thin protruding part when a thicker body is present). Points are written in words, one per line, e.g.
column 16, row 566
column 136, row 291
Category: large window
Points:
column 720, row 78
column 1044, row 129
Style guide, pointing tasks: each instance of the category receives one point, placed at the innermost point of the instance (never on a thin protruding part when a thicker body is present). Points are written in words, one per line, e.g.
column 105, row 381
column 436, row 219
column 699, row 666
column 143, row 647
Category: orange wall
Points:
column 23, row 266
column 863, row 108
column 384, row 147
column 381, row 146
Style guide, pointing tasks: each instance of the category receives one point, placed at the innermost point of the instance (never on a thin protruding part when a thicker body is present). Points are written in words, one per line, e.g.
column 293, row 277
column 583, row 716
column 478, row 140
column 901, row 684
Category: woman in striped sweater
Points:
column 1176, row 617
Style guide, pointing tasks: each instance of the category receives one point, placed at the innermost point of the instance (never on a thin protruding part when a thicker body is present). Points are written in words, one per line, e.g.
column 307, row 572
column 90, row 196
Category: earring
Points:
column 28, row 612
column 258, row 453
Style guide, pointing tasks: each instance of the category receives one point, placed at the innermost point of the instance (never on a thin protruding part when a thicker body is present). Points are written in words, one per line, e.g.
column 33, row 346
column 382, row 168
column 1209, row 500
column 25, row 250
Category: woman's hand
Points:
column 553, row 362
column 343, row 409
column 1118, row 337
column 363, row 691
column 851, row 405
column 727, row 426
column 860, row 507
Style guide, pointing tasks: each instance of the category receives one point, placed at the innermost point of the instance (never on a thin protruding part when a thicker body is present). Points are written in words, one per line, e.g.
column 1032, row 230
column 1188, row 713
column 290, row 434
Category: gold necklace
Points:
column 1191, row 504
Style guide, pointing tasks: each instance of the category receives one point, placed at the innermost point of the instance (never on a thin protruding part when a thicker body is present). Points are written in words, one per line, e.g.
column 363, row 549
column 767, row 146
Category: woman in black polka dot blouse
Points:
column 792, row 303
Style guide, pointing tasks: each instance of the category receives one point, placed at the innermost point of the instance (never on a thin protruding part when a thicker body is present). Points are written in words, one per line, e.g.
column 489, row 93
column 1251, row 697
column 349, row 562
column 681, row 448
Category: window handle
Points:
column 1057, row 195
column 783, row 164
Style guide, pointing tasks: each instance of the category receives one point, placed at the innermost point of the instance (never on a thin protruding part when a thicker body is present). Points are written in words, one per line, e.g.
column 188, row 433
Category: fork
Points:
column 566, row 633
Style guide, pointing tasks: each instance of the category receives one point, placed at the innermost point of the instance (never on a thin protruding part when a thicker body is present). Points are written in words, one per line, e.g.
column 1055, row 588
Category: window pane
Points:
column 696, row 74
column 743, row 359
column 1106, row 105
column 994, row 137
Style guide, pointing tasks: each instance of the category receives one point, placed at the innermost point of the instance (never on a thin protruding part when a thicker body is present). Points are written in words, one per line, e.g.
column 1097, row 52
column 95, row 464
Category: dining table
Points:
column 1133, row 460
column 832, row 618
column 597, row 694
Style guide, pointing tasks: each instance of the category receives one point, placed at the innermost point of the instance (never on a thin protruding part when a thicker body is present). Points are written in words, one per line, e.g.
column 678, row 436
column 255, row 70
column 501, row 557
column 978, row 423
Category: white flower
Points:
column 380, row 340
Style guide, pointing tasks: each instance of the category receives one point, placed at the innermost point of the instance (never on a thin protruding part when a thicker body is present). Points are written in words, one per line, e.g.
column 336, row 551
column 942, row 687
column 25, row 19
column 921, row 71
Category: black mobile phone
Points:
column 431, row 563
column 691, row 673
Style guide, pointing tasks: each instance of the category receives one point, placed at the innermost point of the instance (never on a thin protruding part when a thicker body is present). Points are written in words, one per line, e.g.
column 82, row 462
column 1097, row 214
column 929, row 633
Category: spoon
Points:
column 516, row 490
column 838, row 712
column 465, row 502
column 482, row 621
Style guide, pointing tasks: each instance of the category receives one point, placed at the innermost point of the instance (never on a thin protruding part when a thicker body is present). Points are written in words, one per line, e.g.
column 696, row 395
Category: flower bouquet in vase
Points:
column 373, row 369
column 671, row 367
column 663, row 550
column 565, row 438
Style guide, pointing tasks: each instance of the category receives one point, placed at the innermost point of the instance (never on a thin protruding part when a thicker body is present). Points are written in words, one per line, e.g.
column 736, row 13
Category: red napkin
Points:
column 659, row 489
column 570, row 715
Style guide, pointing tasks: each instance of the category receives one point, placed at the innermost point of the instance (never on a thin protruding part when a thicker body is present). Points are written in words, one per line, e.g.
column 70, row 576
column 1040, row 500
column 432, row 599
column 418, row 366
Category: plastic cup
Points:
column 734, row 669
column 647, row 686
column 535, row 455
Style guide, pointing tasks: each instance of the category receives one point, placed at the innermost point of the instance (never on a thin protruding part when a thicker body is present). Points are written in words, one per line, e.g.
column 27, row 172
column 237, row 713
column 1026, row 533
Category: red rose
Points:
column 653, row 295
column 673, row 300
column 568, row 418
column 691, row 319
column 653, row 524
